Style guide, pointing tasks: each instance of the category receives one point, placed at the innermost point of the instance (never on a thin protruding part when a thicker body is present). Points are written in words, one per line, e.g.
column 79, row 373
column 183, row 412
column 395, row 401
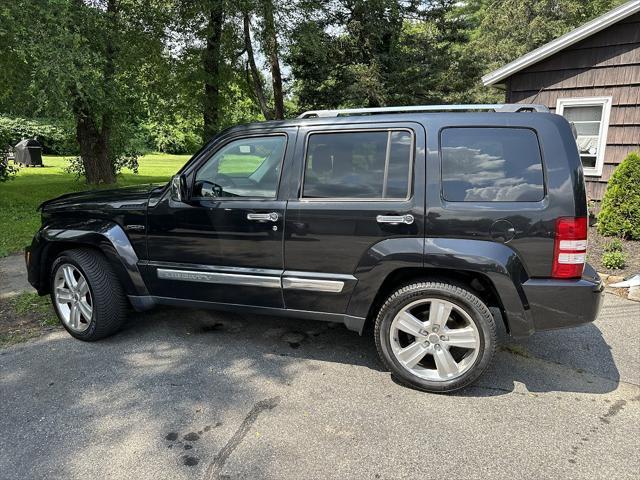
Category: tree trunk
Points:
column 94, row 140
column 255, row 74
column 271, row 49
column 212, row 62
column 94, row 150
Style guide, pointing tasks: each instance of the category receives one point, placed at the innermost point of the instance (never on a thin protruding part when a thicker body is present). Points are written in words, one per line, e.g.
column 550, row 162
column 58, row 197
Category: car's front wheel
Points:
column 86, row 294
column 435, row 336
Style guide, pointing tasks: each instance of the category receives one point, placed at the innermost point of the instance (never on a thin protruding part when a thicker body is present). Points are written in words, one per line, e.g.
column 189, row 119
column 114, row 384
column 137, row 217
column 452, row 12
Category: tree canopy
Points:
column 167, row 75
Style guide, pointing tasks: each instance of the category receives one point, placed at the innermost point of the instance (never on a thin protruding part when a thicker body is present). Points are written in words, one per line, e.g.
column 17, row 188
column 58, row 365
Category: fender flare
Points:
column 496, row 261
column 106, row 236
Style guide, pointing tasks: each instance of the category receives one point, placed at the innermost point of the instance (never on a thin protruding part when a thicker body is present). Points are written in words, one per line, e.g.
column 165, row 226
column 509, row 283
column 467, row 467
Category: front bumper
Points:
column 33, row 261
column 564, row 303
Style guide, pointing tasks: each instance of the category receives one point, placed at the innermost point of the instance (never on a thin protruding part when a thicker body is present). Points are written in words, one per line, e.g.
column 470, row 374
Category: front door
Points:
column 225, row 243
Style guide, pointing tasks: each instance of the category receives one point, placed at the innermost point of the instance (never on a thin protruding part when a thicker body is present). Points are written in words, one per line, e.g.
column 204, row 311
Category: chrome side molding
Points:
column 216, row 277
column 312, row 284
column 297, row 281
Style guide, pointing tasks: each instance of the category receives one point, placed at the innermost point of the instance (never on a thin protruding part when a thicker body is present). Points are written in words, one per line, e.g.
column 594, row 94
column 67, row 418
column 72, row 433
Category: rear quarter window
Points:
column 487, row 164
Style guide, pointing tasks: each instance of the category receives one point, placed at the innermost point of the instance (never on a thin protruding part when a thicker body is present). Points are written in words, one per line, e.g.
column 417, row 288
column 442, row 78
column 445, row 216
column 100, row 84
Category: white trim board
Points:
column 594, row 26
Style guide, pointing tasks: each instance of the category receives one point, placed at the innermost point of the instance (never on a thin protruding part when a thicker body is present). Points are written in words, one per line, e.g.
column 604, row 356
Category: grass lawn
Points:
column 20, row 197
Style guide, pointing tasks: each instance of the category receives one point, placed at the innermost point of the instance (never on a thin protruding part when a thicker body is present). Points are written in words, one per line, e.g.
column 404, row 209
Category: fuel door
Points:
column 502, row 231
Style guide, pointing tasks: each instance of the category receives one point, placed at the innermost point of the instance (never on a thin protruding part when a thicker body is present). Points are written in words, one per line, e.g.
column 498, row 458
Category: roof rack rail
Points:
column 498, row 107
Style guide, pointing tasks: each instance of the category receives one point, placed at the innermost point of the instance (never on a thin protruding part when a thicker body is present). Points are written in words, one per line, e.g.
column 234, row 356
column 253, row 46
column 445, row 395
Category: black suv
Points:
column 440, row 229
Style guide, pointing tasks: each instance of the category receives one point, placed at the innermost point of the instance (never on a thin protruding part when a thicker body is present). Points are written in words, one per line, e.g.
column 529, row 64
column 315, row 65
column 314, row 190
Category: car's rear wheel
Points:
column 435, row 336
column 86, row 294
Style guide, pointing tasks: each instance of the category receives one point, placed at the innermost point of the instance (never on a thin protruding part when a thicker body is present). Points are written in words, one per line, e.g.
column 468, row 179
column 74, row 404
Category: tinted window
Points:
column 358, row 165
column 491, row 165
column 249, row 167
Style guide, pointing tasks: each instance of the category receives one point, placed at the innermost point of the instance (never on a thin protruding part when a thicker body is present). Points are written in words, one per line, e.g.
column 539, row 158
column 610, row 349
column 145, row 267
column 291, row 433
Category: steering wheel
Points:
column 227, row 179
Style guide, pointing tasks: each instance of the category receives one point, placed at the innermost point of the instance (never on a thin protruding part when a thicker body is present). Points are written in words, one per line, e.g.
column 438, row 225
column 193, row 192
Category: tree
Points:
column 379, row 52
column 264, row 11
column 212, row 66
column 211, row 30
column 14, row 78
column 82, row 58
column 270, row 42
column 167, row 72
column 508, row 29
column 252, row 68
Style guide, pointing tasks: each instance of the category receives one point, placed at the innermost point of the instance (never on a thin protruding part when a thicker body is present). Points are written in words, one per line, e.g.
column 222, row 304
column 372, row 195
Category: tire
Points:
column 467, row 336
column 104, row 294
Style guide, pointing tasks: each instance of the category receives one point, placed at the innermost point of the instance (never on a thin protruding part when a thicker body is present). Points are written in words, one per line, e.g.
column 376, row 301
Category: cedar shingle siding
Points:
column 605, row 64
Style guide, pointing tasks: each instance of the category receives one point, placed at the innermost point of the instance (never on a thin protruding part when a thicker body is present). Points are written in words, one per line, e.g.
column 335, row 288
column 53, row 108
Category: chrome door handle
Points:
column 395, row 219
column 265, row 217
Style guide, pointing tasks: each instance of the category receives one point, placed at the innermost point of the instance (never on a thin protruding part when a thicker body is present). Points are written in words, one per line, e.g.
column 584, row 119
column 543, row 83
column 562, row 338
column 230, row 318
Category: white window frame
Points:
column 605, row 103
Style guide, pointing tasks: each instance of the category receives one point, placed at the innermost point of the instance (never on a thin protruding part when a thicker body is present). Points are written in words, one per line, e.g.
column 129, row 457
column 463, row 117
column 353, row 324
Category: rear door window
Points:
column 491, row 165
column 359, row 165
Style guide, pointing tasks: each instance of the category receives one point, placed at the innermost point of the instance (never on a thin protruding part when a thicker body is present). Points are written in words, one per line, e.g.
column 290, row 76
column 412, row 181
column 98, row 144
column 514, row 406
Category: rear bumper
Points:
column 564, row 303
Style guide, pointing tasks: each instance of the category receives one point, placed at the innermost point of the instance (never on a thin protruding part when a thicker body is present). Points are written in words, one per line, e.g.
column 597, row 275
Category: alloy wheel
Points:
column 434, row 339
column 73, row 298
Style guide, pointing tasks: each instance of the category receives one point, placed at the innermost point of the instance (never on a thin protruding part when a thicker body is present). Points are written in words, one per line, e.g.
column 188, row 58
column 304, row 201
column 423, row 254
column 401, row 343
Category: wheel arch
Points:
column 478, row 283
column 491, row 270
column 106, row 238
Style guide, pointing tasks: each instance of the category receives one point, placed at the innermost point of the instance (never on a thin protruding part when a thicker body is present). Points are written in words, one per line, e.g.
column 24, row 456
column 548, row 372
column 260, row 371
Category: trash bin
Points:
column 28, row 153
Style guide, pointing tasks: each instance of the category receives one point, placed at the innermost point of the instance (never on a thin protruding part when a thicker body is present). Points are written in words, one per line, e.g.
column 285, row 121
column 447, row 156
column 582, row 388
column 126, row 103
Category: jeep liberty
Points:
column 440, row 228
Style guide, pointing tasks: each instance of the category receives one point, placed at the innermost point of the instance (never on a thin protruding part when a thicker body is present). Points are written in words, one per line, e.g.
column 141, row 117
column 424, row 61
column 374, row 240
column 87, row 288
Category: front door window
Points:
column 243, row 168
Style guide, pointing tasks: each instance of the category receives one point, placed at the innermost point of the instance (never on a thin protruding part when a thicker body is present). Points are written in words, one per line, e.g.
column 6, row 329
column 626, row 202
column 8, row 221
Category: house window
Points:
column 590, row 116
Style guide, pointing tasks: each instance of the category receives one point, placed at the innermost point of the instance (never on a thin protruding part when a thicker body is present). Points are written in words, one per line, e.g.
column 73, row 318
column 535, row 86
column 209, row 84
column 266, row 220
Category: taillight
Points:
column 570, row 249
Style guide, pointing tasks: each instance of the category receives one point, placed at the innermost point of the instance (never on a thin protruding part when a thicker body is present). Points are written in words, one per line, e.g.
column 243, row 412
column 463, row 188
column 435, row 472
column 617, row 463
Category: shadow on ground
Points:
column 572, row 360
column 175, row 386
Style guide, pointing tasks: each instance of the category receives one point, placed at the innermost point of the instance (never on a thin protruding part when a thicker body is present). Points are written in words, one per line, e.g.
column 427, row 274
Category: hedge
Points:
column 56, row 137
column 620, row 213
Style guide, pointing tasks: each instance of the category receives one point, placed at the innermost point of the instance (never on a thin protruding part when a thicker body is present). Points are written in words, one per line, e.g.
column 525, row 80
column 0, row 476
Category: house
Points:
column 591, row 76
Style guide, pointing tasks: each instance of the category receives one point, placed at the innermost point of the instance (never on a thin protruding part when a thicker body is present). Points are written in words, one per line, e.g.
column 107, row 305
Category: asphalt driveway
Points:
column 194, row 394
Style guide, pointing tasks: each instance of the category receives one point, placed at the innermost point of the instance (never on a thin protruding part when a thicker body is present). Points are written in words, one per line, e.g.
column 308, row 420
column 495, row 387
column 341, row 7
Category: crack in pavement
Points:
column 215, row 467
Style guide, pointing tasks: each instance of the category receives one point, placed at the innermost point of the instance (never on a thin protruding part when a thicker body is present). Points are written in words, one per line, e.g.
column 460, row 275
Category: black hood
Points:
column 125, row 198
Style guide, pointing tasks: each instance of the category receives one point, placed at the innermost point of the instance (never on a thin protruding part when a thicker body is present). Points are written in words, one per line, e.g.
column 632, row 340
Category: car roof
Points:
column 453, row 118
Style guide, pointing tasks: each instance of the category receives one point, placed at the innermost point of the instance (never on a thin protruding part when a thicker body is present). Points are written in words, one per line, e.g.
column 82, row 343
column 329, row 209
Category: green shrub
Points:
column 614, row 260
column 7, row 172
column 175, row 136
column 620, row 213
column 614, row 246
column 56, row 137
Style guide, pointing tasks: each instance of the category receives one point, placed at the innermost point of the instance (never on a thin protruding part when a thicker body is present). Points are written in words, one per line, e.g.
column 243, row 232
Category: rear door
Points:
column 355, row 186
column 488, row 180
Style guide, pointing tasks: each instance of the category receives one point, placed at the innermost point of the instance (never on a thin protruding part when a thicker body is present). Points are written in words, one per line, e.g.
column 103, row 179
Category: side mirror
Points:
column 179, row 191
